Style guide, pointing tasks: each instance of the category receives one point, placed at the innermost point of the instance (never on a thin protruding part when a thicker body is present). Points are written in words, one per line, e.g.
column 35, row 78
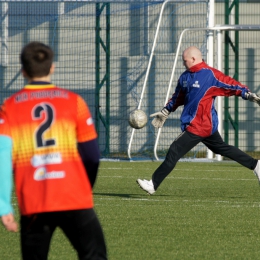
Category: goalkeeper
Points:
column 196, row 90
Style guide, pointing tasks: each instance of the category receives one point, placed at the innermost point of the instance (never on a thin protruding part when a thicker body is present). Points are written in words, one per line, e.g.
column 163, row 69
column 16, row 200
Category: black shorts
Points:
column 186, row 141
column 81, row 227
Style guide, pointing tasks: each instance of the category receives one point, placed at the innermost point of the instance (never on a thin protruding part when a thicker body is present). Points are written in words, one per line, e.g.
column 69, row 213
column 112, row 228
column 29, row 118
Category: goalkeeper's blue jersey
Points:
column 196, row 90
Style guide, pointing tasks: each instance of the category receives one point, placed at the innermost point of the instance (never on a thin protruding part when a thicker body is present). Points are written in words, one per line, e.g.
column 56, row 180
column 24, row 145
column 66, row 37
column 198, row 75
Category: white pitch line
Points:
column 121, row 168
column 184, row 178
column 214, row 179
column 175, row 169
column 195, row 202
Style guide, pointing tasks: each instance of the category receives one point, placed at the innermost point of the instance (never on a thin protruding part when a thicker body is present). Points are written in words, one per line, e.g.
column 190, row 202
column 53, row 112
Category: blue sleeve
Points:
column 90, row 156
column 177, row 98
column 6, row 180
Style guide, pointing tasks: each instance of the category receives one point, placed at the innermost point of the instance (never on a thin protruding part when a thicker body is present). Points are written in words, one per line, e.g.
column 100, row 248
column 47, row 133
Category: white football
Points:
column 137, row 119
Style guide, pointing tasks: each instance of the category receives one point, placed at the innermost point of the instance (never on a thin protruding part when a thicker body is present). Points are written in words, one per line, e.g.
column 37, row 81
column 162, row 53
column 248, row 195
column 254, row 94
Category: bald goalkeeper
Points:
column 196, row 91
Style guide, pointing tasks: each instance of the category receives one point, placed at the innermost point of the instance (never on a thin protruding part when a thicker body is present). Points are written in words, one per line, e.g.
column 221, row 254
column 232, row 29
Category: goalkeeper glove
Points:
column 253, row 98
column 160, row 118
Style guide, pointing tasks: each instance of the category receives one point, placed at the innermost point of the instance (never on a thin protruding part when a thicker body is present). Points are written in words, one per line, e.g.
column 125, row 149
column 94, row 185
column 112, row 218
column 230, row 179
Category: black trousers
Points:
column 81, row 227
column 186, row 141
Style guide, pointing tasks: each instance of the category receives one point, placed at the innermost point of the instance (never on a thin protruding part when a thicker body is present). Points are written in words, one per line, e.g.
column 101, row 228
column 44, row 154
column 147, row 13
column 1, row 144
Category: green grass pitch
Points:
column 200, row 211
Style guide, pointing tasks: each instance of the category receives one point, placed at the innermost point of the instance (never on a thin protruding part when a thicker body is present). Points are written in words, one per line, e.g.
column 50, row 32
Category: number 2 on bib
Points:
column 46, row 111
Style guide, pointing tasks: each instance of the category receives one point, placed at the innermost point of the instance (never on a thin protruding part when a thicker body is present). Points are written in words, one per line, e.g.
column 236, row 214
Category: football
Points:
column 137, row 119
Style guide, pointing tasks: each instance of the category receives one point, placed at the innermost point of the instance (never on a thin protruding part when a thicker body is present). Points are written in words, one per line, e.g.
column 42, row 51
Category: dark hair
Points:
column 36, row 59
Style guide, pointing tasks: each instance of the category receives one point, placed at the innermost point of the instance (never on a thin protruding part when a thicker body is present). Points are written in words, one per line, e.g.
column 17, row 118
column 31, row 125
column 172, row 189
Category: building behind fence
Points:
column 102, row 51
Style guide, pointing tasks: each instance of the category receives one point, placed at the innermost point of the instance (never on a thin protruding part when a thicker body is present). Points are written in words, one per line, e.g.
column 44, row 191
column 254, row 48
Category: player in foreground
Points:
column 49, row 136
column 196, row 90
